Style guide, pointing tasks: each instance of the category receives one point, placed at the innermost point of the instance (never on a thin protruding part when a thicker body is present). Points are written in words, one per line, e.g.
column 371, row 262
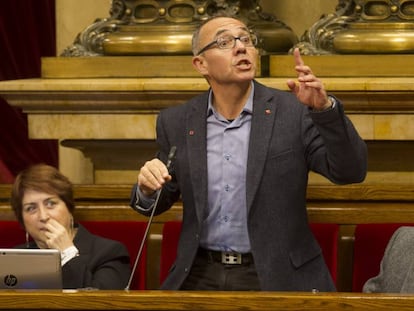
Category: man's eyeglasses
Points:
column 229, row 42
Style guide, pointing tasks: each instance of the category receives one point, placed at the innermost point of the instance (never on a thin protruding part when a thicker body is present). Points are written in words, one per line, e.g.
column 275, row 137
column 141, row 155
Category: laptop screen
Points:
column 30, row 269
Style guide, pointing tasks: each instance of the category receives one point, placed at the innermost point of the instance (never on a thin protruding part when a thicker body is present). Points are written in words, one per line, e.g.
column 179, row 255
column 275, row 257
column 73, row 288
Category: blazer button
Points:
column 186, row 270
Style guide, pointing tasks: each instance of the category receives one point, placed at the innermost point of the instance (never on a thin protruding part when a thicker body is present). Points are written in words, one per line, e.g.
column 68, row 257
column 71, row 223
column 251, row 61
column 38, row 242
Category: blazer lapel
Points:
column 196, row 128
column 264, row 113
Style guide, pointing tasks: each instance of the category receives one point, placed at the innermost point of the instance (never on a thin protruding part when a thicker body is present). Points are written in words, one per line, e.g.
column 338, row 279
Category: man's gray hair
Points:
column 196, row 35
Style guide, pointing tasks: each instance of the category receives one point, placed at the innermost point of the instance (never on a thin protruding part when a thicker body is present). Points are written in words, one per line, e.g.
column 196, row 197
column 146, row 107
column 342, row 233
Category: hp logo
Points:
column 10, row 280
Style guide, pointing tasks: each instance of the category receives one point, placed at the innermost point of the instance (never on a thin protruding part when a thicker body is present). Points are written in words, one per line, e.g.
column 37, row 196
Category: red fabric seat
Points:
column 170, row 236
column 326, row 235
column 369, row 246
column 6, row 177
column 11, row 234
column 130, row 233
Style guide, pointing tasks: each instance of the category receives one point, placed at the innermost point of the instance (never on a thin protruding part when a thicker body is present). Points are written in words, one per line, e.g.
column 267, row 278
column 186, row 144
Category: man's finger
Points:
column 298, row 58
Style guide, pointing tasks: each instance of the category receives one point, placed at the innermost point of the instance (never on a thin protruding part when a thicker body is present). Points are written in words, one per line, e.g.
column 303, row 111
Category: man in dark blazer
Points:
column 397, row 266
column 243, row 156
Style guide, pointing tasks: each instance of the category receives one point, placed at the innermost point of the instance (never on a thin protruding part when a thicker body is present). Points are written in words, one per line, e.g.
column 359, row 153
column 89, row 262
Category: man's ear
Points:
column 199, row 64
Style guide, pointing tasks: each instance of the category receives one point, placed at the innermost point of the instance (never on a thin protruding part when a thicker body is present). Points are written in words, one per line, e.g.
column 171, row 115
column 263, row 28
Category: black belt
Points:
column 228, row 258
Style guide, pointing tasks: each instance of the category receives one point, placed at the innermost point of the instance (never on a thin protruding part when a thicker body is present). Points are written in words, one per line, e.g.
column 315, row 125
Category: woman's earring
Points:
column 27, row 239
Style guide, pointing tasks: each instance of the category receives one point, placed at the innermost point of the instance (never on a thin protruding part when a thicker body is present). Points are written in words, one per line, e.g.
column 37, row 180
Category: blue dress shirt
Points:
column 225, row 223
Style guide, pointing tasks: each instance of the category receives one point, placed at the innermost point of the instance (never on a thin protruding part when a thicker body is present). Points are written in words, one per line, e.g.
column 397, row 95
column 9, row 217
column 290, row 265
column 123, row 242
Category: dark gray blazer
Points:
column 286, row 141
column 102, row 263
column 397, row 266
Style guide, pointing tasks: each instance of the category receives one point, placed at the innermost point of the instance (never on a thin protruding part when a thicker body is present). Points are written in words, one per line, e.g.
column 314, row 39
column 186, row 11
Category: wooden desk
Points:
column 222, row 301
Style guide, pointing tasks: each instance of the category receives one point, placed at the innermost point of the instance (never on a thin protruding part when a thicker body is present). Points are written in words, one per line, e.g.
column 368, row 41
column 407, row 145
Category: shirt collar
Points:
column 248, row 107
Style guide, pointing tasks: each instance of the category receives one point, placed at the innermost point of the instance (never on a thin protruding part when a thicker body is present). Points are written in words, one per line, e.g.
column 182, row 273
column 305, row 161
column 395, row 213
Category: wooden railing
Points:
column 218, row 301
column 344, row 205
column 98, row 193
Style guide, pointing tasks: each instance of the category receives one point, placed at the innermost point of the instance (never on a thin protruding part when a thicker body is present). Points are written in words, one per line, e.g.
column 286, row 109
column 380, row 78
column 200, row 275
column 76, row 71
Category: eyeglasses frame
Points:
column 251, row 34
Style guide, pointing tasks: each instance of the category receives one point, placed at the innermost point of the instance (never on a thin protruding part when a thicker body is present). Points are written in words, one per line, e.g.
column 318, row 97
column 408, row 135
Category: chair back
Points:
column 170, row 236
column 129, row 233
column 369, row 247
column 11, row 234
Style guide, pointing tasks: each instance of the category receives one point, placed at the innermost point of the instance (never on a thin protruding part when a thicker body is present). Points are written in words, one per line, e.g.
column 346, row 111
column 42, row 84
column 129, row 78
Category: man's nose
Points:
column 238, row 42
column 239, row 46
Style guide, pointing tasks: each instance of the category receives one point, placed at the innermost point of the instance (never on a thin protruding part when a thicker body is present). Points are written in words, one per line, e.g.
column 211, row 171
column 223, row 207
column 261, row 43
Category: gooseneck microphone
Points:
column 171, row 156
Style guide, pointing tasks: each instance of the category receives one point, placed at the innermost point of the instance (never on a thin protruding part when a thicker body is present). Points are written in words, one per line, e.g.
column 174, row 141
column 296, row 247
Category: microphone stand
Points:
column 171, row 156
column 144, row 238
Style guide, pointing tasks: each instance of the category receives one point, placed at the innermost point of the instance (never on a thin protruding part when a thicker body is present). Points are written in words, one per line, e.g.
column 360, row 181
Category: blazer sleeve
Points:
column 170, row 192
column 342, row 157
column 105, row 265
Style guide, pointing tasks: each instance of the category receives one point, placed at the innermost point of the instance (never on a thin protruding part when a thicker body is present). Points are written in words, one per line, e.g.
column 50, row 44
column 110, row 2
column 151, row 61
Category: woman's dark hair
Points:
column 42, row 178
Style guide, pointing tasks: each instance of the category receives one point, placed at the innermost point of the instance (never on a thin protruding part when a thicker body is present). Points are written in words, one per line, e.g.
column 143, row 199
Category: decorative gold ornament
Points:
column 363, row 27
column 149, row 27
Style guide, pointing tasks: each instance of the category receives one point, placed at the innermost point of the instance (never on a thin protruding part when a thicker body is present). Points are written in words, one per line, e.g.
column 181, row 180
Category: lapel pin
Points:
column 268, row 111
column 191, row 133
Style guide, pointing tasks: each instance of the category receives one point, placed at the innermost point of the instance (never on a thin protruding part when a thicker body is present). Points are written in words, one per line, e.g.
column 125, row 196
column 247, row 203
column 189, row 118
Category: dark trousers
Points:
column 209, row 273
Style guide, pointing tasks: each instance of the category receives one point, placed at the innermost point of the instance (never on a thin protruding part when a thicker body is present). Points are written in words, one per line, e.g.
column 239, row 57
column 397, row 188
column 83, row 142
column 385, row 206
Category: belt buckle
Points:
column 231, row 258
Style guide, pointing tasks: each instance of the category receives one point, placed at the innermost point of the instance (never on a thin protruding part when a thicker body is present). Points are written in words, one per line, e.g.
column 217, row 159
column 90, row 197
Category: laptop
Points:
column 30, row 269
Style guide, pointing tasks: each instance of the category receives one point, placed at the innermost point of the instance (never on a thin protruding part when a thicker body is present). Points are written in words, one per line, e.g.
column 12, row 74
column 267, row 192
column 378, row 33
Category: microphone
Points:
column 171, row 157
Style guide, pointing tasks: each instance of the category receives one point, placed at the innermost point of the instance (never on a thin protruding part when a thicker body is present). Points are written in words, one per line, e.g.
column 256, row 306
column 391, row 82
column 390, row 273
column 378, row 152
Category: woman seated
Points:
column 397, row 267
column 42, row 200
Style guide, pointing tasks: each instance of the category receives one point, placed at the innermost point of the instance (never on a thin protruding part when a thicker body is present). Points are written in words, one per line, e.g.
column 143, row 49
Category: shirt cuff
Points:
column 68, row 254
column 144, row 202
column 333, row 101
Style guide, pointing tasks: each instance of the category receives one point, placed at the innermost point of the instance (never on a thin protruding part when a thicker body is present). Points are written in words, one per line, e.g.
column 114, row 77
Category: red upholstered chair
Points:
column 6, row 177
column 130, row 233
column 170, row 235
column 11, row 234
column 369, row 246
column 326, row 234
